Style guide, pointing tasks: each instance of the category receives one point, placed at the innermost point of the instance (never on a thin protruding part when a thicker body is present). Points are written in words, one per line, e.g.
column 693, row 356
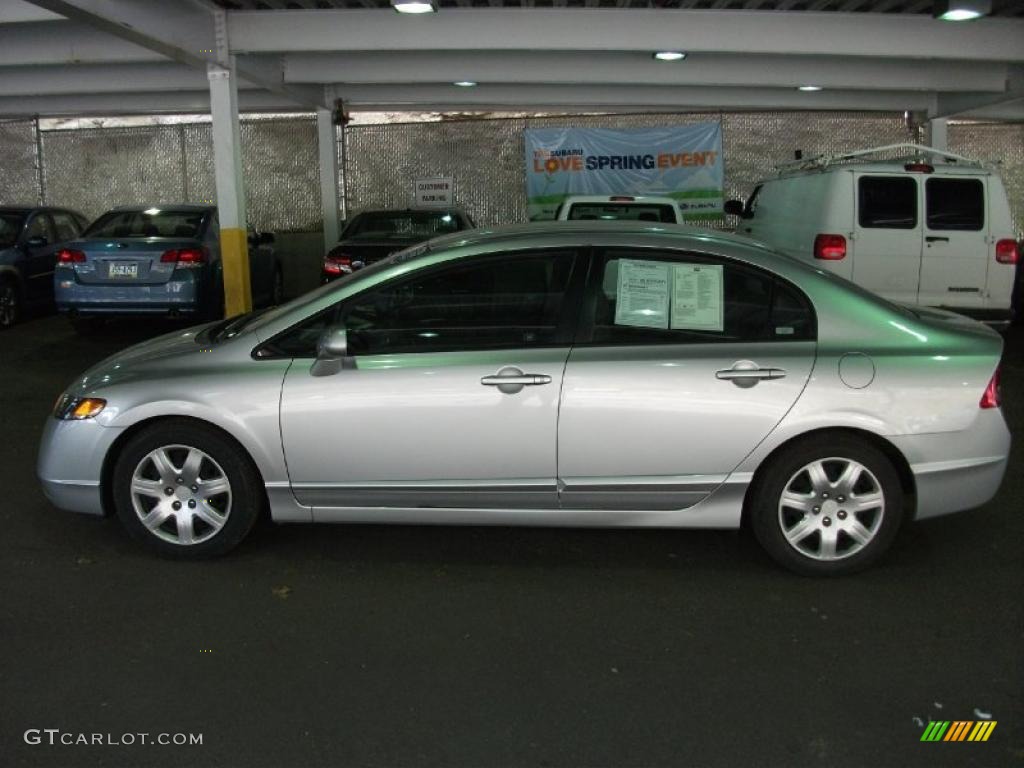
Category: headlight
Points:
column 70, row 408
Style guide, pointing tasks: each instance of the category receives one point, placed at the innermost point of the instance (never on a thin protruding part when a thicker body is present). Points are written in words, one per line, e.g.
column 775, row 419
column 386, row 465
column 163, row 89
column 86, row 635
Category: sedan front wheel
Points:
column 186, row 490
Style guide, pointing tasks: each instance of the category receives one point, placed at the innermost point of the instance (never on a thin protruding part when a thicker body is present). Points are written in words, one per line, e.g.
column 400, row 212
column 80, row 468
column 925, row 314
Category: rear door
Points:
column 39, row 259
column 956, row 249
column 685, row 362
column 887, row 235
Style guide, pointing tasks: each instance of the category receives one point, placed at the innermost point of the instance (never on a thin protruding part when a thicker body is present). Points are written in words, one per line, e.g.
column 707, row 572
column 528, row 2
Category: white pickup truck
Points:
column 611, row 207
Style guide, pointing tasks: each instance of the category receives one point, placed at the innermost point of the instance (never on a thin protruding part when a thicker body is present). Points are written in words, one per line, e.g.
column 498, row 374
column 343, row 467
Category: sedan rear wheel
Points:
column 186, row 490
column 828, row 506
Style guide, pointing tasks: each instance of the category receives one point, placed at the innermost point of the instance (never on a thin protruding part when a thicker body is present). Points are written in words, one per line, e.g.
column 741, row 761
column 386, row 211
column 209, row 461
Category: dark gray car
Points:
column 29, row 239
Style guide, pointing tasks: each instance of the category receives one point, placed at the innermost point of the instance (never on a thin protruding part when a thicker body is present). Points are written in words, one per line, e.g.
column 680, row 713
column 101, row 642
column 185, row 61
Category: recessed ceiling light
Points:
column 670, row 55
column 961, row 10
column 413, row 6
column 808, row 88
column 464, row 83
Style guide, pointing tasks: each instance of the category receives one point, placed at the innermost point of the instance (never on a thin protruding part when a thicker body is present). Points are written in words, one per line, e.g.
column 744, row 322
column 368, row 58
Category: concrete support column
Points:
column 328, row 146
column 227, row 161
column 938, row 133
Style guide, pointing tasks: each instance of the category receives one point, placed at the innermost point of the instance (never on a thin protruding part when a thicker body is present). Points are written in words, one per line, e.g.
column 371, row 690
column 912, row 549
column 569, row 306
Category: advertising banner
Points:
column 682, row 162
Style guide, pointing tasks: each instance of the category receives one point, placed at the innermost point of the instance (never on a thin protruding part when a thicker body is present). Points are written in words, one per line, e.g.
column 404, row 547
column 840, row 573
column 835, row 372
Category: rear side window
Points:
column 887, row 202
column 686, row 298
column 955, row 204
column 67, row 227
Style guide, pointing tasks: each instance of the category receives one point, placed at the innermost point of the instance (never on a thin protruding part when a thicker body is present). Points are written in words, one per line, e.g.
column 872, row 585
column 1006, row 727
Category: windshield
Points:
column 152, row 222
column 401, row 224
column 10, row 227
column 628, row 211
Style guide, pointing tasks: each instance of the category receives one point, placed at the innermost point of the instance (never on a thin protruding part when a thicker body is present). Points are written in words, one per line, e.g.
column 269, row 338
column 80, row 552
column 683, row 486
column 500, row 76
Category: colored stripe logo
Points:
column 959, row 730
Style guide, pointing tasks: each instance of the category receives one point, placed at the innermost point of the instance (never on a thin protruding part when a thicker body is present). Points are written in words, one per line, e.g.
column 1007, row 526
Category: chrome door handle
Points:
column 521, row 380
column 730, row 374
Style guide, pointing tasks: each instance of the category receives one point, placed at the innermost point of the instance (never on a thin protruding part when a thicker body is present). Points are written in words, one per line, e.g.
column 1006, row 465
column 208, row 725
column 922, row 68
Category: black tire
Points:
column 10, row 303
column 769, row 517
column 247, row 499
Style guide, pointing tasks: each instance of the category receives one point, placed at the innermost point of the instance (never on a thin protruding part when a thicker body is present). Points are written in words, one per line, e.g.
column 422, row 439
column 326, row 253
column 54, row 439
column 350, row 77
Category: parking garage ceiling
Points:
column 74, row 57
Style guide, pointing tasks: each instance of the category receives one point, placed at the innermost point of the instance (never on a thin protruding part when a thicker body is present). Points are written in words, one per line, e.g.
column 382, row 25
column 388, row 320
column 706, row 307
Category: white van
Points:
column 932, row 228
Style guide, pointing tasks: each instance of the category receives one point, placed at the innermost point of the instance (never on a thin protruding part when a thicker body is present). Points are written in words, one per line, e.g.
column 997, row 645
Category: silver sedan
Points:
column 584, row 374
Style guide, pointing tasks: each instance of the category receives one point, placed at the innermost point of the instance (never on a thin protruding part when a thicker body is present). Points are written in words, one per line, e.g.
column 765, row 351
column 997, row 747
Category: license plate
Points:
column 124, row 269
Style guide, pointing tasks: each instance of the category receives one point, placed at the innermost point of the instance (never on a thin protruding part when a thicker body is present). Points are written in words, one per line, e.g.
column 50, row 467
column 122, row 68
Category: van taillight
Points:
column 70, row 256
column 621, row 199
column 919, row 168
column 830, row 247
column 991, row 399
column 1007, row 252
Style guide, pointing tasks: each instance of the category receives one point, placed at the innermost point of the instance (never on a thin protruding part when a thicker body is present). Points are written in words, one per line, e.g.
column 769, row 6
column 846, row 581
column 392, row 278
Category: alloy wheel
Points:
column 831, row 509
column 181, row 495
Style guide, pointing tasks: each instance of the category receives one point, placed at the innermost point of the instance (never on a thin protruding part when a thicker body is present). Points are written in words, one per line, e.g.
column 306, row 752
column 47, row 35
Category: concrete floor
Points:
column 396, row 646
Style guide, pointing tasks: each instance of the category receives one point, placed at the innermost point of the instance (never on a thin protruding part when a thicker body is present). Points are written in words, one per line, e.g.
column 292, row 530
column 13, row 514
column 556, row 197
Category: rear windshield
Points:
column 423, row 224
column 631, row 211
column 152, row 222
column 10, row 227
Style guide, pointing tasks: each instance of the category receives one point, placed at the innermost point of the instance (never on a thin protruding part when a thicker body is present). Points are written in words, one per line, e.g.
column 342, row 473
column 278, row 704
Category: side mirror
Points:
column 265, row 238
column 735, row 208
column 37, row 242
column 332, row 352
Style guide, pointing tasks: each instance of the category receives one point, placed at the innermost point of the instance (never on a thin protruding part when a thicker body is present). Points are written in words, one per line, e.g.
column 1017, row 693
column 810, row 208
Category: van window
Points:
column 957, row 204
column 887, row 202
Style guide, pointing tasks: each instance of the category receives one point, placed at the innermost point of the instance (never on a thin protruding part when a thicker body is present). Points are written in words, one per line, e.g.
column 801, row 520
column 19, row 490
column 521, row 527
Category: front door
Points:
column 887, row 236
column 685, row 363
column 956, row 251
column 450, row 398
column 39, row 258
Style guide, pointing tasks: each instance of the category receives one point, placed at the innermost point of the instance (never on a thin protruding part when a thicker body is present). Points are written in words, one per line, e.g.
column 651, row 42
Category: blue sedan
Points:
column 156, row 260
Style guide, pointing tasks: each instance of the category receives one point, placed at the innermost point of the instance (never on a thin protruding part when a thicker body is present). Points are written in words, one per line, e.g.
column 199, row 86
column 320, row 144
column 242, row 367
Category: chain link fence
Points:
column 93, row 169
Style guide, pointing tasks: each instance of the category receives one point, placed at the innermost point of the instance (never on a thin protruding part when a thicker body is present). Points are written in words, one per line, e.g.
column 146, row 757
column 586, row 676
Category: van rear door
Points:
column 956, row 252
column 887, row 235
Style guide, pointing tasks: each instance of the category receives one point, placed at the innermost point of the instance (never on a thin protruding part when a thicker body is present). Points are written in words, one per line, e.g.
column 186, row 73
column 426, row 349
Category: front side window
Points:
column 152, row 222
column 887, row 202
column 512, row 301
column 645, row 298
column 39, row 226
column 955, row 204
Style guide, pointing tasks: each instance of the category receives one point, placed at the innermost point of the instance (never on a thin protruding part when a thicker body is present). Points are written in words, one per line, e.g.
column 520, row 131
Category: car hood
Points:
column 142, row 360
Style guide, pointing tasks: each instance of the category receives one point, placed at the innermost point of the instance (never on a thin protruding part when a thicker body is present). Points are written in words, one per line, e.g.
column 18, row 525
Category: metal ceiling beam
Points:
column 191, row 32
column 65, row 42
column 100, row 78
column 622, row 68
column 952, row 104
column 565, row 98
column 180, row 102
column 750, row 32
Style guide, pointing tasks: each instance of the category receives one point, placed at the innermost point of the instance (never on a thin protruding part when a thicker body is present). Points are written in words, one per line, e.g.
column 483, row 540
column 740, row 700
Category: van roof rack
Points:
column 915, row 151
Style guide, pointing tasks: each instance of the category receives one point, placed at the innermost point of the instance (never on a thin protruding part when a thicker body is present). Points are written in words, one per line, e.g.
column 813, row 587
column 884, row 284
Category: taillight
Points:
column 830, row 247
column 70, row 256
column 621, row 199
column 919, row 168
column 991, row 398
column 1007, row 252
column 337, row 264
column 185, row 257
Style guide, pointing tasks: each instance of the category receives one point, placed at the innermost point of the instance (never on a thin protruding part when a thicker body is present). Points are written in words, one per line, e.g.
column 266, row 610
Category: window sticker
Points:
column 698, row 293
column 642, row 298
